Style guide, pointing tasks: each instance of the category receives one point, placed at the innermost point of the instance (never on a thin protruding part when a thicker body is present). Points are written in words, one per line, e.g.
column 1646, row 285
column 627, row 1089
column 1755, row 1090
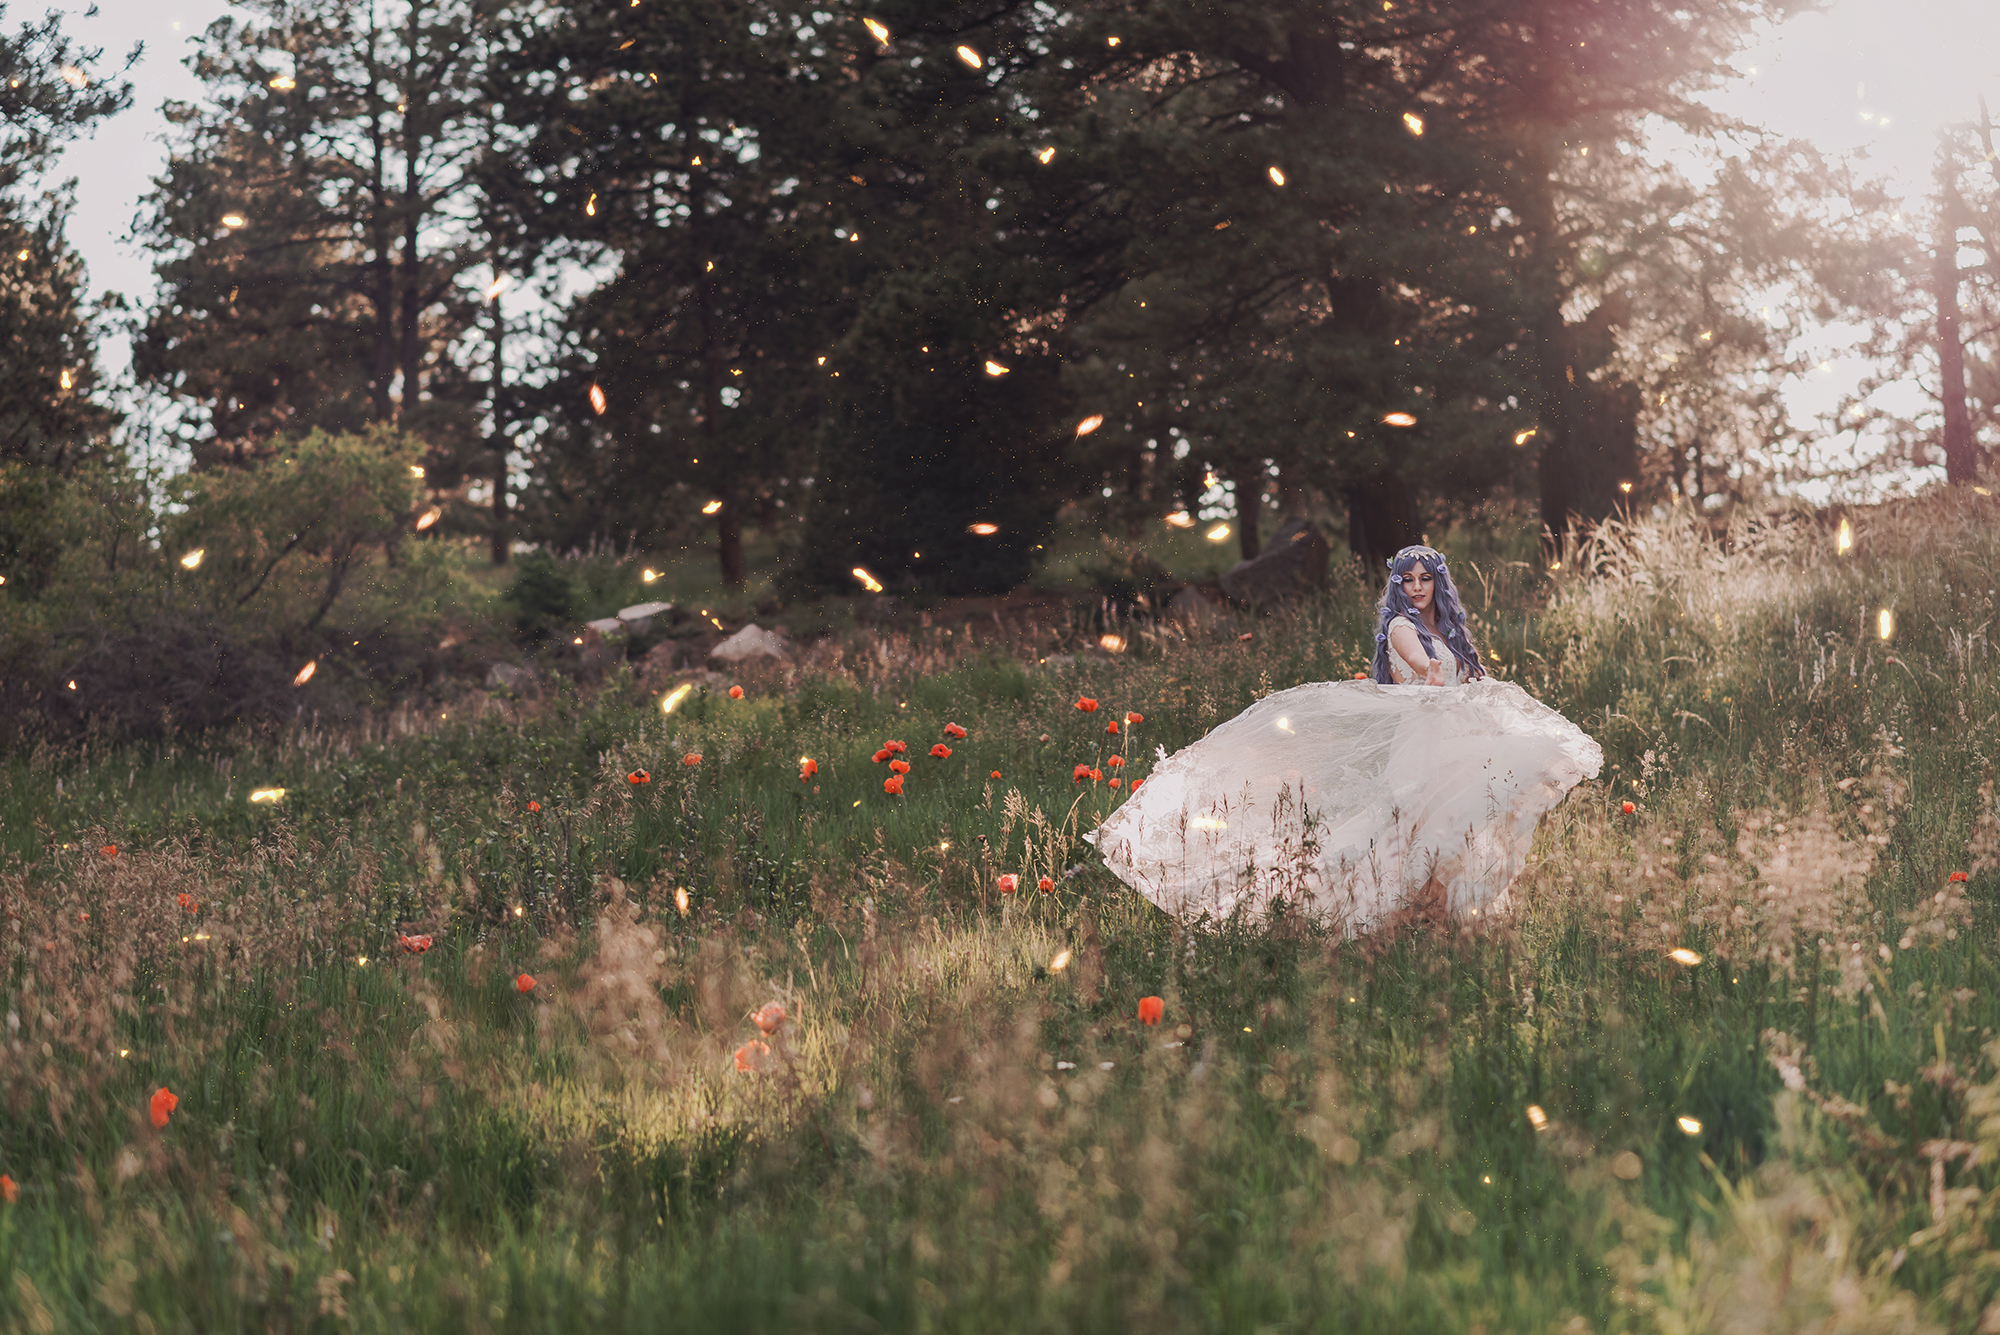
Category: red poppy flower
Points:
column 1096, row 775
column 1045, row 885
column 524, row 984
column 1628, row 808
column 736, row 692
column 163, row 1104
column 691, row 759
column 1087, row 705
column 897, row 747
column 1116, row 762
column 638, row 776
column 899, row 766
column 1957, row 876
column 893, row 785
column 1115, row 781
column 751, row 1054
column 941, row 751
column 109, row 850
column 1245, row 636
column 414, row 945
column 1080, row 773
column 1136, row 783
column 1135, row 718
column 807, row 768
column 1009, row 883
column 1361, row 676
column 534, row 806
column 996, row 773
column 881, row 755
column 1112, row 727
column 1151, row 1009
column 188, row 903
column 953, row 730
column 769, row 1016
column 8, row 1191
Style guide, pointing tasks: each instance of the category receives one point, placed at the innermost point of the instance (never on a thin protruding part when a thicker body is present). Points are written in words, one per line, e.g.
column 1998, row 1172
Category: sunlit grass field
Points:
column 1551, row 1124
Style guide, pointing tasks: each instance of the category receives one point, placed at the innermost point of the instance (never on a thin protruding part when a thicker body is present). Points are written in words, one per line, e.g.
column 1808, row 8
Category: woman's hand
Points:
column 1435, row 676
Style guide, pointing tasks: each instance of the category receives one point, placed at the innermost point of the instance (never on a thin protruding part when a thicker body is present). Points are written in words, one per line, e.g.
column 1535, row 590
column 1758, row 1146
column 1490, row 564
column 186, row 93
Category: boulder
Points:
column 1293, row 561
column 509, row 677
column 606, row 626
column 1195, row 607
column 638, row 618
column 753, row 641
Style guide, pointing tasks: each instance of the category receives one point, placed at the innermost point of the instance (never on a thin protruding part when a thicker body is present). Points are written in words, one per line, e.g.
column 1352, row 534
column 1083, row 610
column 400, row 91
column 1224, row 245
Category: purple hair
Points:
column 1450, row 613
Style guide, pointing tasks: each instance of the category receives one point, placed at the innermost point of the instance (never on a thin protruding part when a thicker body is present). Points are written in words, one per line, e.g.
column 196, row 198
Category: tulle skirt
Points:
column 1345, row 797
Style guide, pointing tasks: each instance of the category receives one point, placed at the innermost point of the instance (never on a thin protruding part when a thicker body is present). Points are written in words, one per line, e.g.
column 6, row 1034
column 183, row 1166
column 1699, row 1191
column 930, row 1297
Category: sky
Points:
column 1872, row 76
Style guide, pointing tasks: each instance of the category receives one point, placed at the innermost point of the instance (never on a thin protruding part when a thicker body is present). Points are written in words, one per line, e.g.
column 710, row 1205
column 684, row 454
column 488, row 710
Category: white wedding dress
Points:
column 1345, row 797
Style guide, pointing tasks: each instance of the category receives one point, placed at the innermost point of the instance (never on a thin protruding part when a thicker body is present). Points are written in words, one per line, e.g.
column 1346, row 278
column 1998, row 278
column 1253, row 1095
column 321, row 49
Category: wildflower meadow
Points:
column 795, row 1001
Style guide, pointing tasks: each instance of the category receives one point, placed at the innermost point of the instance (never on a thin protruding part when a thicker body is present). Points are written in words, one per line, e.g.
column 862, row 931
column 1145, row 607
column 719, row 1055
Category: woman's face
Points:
column 1420, row 586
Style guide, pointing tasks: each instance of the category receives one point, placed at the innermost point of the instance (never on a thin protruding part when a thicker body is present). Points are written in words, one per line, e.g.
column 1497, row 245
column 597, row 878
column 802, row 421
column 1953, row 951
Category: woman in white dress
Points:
column 1358, row 801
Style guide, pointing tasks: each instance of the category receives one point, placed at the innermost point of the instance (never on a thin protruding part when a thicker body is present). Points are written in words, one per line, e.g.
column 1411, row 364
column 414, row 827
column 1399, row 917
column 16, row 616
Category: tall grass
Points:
column 963, row 1125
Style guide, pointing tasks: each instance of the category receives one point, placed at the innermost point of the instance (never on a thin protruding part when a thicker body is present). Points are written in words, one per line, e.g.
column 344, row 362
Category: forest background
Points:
column 925, row 290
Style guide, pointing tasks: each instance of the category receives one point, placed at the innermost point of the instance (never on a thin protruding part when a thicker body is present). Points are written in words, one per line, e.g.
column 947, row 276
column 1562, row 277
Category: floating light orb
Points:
column 1218, row 533
column 1398, row 419
column 1413, row 123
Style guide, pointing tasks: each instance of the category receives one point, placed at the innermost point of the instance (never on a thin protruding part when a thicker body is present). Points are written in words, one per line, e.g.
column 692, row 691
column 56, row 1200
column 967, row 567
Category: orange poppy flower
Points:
column 881, row 755
column 896, row 747
column 750, row 1054
column 1361, row 676
column 1115, row 781
column 1136, row 783
column 996, row 773
column 954, row 731
column 1956, row 876
column 1096, row 775
column 736, row 692
column 638, row 776
column 524, row 984
column 414, row 945
column 1245, row 636
column 8, row 1191
column 163, row 1103
column 1045, row 885
column 188, row 903
column 1628, row 808
column 941, row 751
column 1080, row 773
column 899, row 767
column 1009, row 883
column 807, row 768
column 893, row 785
column 109, row 850
column 1087, row 705
column 1112, row 727
column 1135, row 718
column 769, row 1016
column 534, row 806
column 1116, row 762
column 1151, row 1009
column 691, row 759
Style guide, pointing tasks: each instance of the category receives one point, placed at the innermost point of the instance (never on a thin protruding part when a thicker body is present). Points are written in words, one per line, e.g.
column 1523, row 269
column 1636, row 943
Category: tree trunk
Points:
column 1960, row 468
column 729, row 540
column 1249, row 480
column 498, row 444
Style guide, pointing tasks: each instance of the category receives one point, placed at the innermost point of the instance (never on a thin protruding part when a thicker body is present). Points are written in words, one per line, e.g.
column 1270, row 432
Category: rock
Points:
column 509, row 677
column 606, row 626
column 662, row 658
column 1293, row 561
column 753, row 641
column 639, row 616
column 1195, row 607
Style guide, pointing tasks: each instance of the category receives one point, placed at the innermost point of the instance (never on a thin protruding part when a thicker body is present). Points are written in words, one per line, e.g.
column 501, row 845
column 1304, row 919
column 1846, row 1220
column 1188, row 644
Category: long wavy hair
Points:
column 1444, row 599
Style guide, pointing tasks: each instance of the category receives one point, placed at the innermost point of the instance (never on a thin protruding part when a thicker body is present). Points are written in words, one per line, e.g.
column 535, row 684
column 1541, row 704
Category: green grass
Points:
column 1340, row 1142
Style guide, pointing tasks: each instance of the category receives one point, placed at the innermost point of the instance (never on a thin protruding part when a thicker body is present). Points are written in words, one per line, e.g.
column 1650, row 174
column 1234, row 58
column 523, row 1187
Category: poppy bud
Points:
column 1151, row 1009
column 1112, row 727
column 524, row 984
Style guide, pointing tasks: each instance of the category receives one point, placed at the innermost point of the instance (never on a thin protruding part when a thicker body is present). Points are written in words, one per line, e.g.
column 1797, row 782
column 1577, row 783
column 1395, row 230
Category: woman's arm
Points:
column 1403, row 640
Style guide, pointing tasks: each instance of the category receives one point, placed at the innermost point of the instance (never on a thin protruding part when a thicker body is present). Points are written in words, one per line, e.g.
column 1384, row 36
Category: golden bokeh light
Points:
column 868, row 581
column 1885, row 624
column 1681, row 955
column 429, row 517
column 996, row 370
column 1413, row 122
column 1181, row 519
column 233, row 220
column 1843, row 541
column 876, row 30
column 597, row 400
column 266, row 796
column 1046, row 156
column 1277, row 176
column 1219, row 533
column 676, row 696
column 983, row 529
column 284, row 83
column 1398, row 419
column 711, row 507
column 971, row 57
column 192, row 560
column 305, row 674
column 1090, row 424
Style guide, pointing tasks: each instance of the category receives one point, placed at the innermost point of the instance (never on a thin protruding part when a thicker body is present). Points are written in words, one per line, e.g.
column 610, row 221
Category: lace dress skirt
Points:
column 1345, row 797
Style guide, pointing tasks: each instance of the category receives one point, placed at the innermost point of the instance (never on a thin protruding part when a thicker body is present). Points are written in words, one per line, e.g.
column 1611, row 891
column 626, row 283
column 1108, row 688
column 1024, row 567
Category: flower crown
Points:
column 1416, row 551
